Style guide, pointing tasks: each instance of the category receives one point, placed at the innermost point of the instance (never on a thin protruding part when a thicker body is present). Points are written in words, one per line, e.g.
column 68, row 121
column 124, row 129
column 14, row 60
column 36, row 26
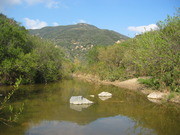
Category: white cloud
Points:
column 34, row 24
column 7, row 3
column 52, row 4
column 55, row 24
column 142, row 29
column 13, row 2
column 82, row 21
column 48, row 3
column 32, row 2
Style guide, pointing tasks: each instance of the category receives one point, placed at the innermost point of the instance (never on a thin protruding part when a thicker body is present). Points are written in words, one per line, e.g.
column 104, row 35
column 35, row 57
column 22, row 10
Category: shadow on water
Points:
column 48, row 112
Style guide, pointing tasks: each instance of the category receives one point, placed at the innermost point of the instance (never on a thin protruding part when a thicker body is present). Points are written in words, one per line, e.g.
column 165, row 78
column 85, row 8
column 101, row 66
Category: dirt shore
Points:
column 131, row 84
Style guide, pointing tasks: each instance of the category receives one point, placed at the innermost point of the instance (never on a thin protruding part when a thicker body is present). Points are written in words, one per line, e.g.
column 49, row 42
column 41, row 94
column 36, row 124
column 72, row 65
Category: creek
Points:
column 47, row 111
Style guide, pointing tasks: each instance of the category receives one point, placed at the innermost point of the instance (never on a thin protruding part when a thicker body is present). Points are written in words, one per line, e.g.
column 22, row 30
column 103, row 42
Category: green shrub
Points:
column 151, row 82
column 29, row 57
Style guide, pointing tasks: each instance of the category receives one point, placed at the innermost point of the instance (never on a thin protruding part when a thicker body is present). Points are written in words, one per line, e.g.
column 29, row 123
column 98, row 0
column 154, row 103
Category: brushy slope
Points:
column 78, row 39
column 154, row 53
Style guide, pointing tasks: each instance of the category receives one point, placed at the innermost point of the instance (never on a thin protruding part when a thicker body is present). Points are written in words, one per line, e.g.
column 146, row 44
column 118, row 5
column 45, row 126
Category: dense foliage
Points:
column 27, row 57
column 78, row 39
column 154, row 53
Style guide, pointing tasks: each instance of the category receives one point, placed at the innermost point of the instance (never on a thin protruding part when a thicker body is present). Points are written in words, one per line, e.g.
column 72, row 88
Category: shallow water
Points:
column 47, row 112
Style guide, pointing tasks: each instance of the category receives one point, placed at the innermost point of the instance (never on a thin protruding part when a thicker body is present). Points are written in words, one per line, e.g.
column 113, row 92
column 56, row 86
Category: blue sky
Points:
column 127, row 17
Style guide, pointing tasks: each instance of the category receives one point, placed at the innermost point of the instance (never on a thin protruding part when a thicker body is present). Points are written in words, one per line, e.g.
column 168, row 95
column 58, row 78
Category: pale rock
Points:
column 157, row 95
column 104, row 94
column 79, row 100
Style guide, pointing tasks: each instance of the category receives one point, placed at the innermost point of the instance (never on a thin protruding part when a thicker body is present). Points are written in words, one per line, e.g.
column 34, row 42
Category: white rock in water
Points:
column 104, row 94
column 156, row 95
column 79, row 100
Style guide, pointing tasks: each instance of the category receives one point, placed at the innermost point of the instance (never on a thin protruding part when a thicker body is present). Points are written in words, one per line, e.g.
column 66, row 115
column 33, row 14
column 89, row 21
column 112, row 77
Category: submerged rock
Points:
column 104, row 94
column 157, row 95
column 91, row 95
column 79, row 100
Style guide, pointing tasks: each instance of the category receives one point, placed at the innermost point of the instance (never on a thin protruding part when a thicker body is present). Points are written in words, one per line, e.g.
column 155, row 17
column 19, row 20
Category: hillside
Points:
column 77, row 39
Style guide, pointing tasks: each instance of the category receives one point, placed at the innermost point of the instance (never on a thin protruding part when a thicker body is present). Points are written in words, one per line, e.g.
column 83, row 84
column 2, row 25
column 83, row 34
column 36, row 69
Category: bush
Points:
column 153, row 83
column 153, row 53
column 27, row 57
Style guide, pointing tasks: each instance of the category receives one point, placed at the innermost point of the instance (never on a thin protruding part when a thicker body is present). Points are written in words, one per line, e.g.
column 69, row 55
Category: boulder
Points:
column 104, row 94
column 79, row 100
column 157, row 95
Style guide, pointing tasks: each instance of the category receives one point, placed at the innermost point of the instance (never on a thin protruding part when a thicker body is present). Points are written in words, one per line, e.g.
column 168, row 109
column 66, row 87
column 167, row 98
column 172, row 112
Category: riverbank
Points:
column 133, row 84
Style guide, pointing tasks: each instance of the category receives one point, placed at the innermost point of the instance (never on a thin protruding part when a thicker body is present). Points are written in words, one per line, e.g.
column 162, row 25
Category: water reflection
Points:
column 157, row 101
column 79, row 107
column 47, row 110
column 104, row 98
column 121, row 126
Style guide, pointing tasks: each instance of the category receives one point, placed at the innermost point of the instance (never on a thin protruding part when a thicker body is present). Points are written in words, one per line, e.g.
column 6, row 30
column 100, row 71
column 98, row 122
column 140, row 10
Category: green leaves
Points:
column 27, row 57
column 154, row 53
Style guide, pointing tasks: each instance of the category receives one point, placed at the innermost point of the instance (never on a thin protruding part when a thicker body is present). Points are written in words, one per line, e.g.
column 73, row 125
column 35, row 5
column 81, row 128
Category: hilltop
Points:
column 79, row 38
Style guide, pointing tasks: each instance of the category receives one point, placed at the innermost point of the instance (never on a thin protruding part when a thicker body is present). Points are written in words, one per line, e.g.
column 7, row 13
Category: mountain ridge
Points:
column 79, row 38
